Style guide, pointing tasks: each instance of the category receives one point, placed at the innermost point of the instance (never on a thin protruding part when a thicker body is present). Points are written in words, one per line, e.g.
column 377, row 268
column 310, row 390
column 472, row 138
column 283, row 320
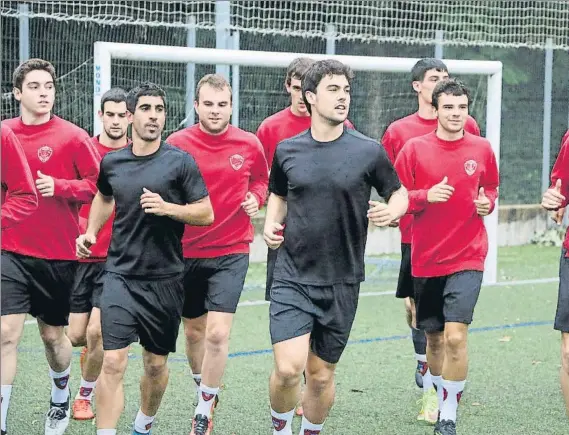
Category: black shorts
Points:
column 271, row 261
column 326, row 312
column 88, row 286
column 214, row 284
column 37, row 286
column 147, row 310
column 405, row 282
column 450, row 298
column 562, row 314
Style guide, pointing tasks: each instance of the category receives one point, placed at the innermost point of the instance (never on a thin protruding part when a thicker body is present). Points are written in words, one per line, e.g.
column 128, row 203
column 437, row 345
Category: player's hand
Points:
column 380, row 214
column 440, row 192
column 152, row 203
column 272, row 234
column 250, row 205
column 557, row 216
column 45, row 185
column 552, row 198
column 482, row 203
column 82, row 245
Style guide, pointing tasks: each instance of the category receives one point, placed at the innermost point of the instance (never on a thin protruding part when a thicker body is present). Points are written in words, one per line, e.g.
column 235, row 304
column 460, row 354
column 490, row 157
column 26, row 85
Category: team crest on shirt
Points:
column 236, row 161
column 470, row 167
column 44, row 153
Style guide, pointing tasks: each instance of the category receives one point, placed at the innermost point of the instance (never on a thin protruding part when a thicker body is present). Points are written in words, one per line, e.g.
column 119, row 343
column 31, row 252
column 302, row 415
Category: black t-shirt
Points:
column 145, row 245
column 327, row 186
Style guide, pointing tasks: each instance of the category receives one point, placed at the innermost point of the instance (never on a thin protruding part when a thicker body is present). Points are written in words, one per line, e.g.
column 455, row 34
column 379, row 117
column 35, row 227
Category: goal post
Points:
column 104, row 52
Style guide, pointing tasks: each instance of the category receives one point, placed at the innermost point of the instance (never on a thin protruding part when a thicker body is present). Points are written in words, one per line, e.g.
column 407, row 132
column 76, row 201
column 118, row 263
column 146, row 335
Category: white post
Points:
column 439, row 49
column 235, row 82
column 190, row 74
column 102, row 80
column 222, row 23
column 24, row 31
column 547, row 90
column 330, row 39
column 493, row 126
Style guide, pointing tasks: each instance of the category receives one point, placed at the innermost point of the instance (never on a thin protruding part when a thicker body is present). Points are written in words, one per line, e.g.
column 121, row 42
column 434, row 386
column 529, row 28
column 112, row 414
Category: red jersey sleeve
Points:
column 86, row 162
column 259, row 179
column 490, row 180
column 264, row 136
column 560, row 171
column 18, row 186
column 388, row 143
column 405, row 167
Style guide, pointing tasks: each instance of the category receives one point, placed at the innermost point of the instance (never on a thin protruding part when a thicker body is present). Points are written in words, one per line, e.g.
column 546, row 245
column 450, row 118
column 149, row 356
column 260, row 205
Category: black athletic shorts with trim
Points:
column 148, row 310
column 37, row 286
column 450, row 298
column 562, row 313
column 405, row 282
column 271, row 261
column 325, row 312
column 88, row 286
column 213, row 284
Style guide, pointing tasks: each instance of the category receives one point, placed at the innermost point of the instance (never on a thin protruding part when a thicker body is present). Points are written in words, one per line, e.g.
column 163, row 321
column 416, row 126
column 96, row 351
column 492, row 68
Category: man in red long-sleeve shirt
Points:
column 425, row 75
column 452, row 178
column 85, row 317
column 19, row 197
column 557, row 215
column 38, row 256
column 554, row 199
column 235, row 172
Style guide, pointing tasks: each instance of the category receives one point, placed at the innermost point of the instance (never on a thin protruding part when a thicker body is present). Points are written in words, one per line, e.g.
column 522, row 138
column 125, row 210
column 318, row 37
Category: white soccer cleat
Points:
column 57, row 419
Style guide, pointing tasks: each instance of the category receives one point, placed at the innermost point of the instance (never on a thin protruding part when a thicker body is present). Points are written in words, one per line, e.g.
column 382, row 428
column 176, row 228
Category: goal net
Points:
column 381, row 90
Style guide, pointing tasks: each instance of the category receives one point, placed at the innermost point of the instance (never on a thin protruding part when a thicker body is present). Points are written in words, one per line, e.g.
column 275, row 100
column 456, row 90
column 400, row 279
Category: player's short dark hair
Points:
column 116, row 95
column 449, row 87
column 146, row 89
column 320, row 69
column 28, row 66
column 216, row 81
column 297, row 68
column 426, row 64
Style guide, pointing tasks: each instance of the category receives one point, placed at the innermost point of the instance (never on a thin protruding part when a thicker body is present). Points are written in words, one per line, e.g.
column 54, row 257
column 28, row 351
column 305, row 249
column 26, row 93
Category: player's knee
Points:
column 155, row 369
column 114, row 363
column 10, row 337
column 320, row 380
column 94, row 336
column 76, row 338
column 455, row 341
column 52, row 336
column 288, row 373
column 435, row 342
column 194, row 331
column 565, row 354
column 217, row 336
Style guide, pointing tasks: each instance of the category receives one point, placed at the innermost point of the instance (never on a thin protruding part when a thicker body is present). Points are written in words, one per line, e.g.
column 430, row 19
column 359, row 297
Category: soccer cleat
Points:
column 135, row 432
column 57, row 418
column 4, row 432
column 445, row 427
column 82, row 357
column 82, row 410
column 420, row 371
column 201, row 425
column 429, row 407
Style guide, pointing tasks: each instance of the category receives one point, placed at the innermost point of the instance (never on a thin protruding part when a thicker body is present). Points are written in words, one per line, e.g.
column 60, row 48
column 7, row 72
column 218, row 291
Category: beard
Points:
column 115, row 136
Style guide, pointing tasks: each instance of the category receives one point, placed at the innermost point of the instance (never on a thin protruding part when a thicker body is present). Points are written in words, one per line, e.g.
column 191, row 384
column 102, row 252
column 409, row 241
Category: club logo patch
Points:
column 278, row 424
column 44, row 153
column 470, row 167
column 61, row 383
column 236, row 161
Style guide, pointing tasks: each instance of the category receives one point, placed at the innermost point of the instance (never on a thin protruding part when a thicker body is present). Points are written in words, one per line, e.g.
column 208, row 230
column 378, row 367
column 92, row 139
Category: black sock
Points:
column 419, row 341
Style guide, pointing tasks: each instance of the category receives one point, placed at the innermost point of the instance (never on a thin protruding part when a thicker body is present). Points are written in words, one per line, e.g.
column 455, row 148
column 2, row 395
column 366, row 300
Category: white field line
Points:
column 391, row 293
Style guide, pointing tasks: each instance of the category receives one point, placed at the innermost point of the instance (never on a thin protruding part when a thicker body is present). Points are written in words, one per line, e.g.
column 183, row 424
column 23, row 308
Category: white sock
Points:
column 421, row 358
column 197, row 378
column 86, row 391
column 438, row 383
column 106, row 432
column 311, row 428
column 427, row 381
column 206, row 398
column 142, row 422
column 282, row 422
column 6, row 393
column 452, row 393
column 60, row 385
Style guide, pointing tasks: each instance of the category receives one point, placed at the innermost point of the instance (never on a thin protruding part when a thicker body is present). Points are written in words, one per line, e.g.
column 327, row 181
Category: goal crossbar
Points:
column 104, row 52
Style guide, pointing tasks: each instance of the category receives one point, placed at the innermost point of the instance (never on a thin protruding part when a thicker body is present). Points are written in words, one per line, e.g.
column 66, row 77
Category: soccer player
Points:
column 452, row 178
column 19, row 197
column 38, row 255
column 554, row 199
column 557, row 215
column 156, row 189
column 85, row 318
column 321, row 182
column 425, row 75
column 235, row 172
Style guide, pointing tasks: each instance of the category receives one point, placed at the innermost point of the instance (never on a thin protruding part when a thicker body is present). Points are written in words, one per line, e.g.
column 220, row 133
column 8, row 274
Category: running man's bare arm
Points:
column 101, row 210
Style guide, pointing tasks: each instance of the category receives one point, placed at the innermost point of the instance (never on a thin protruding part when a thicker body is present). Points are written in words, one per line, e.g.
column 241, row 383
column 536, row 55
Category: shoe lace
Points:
column 55, row 415
column 201, row 424
column 431, row 401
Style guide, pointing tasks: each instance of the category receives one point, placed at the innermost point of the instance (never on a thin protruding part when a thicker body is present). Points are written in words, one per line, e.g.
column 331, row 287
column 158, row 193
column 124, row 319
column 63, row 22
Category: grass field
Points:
column 512, row 385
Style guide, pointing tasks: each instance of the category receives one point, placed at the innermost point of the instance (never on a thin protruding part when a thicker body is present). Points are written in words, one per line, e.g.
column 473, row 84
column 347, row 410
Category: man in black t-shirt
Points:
column 156, row 189
column 321, row 182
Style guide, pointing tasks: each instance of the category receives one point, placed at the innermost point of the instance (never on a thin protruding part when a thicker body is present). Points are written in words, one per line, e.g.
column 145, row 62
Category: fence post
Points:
column 330, row 39
column 547, row 89
column 235, row 82
column 439, row 49
column 222, row 24
column 190, row 74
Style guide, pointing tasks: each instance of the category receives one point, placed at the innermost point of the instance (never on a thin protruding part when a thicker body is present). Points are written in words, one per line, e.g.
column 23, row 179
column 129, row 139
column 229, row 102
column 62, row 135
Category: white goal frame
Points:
column 105, row 51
